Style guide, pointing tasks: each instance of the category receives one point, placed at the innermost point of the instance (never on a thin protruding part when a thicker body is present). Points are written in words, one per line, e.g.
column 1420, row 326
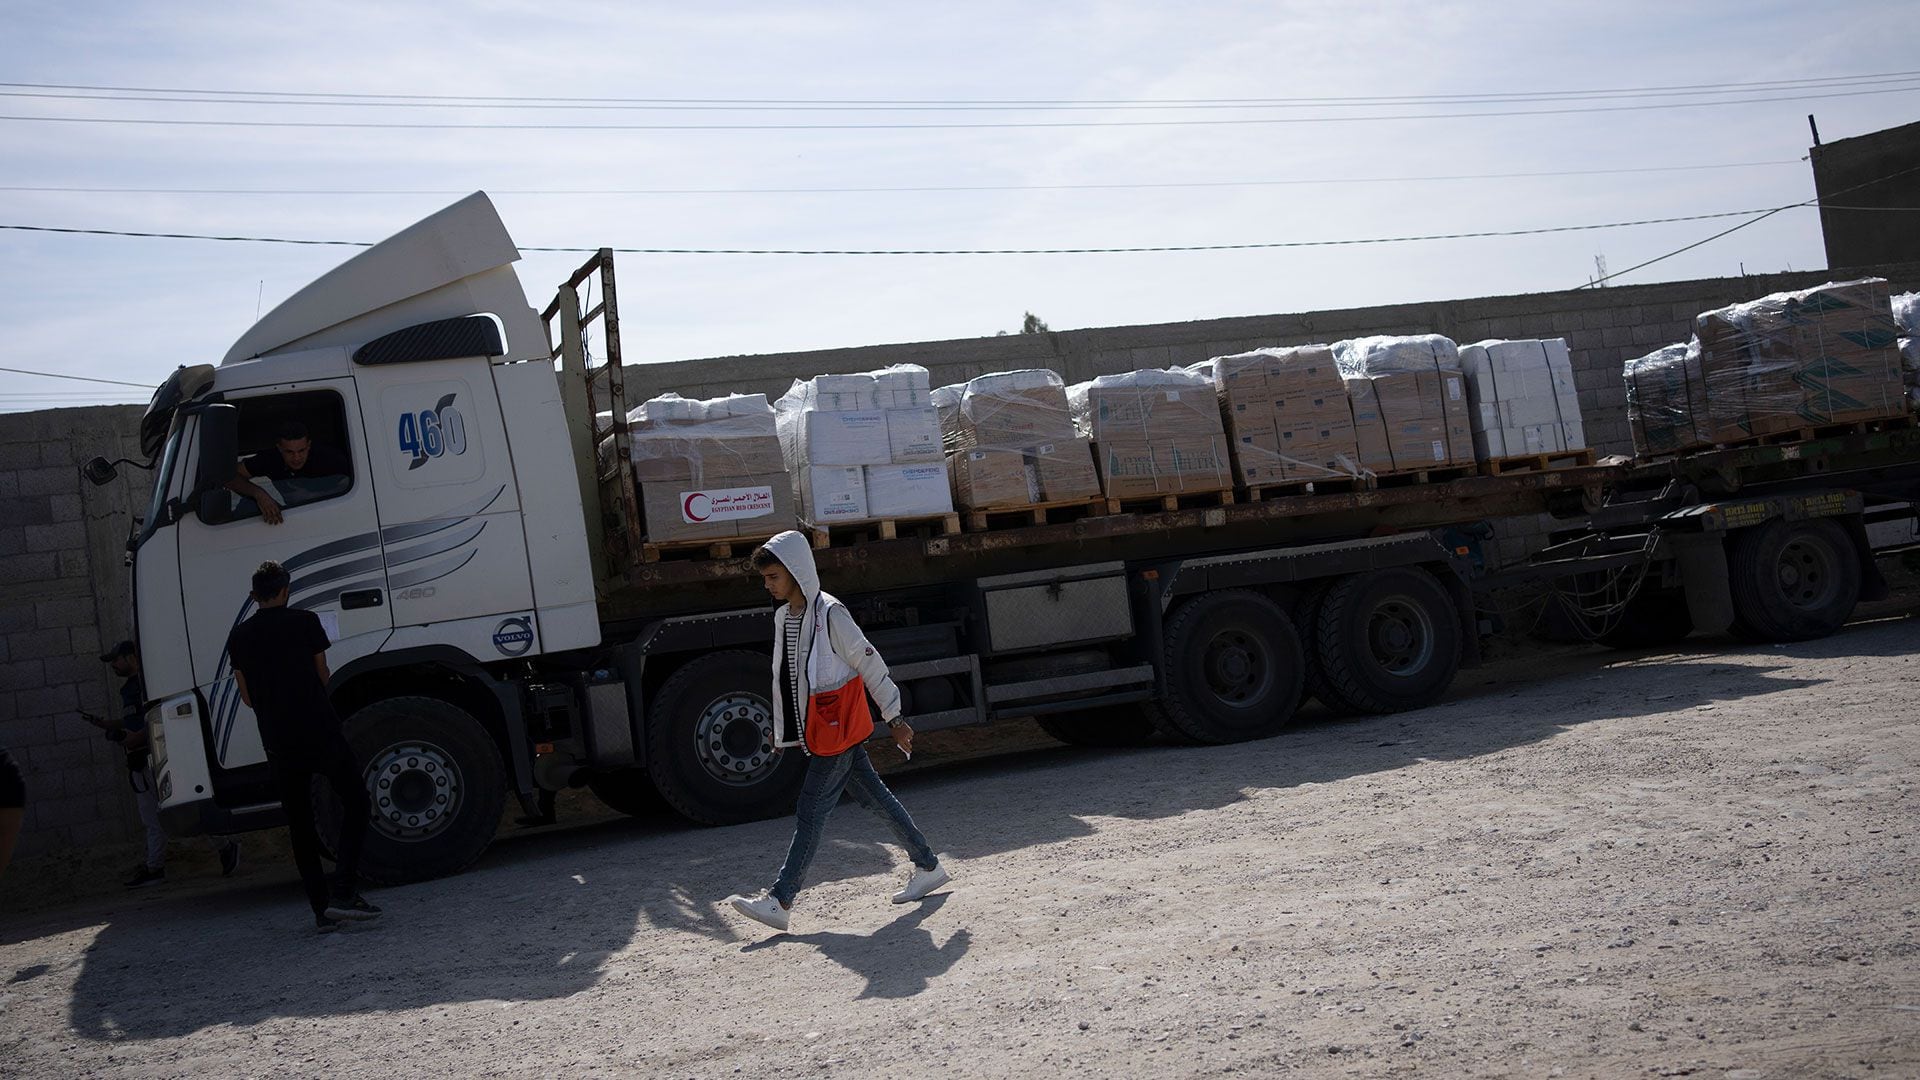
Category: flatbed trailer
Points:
column 510, row 633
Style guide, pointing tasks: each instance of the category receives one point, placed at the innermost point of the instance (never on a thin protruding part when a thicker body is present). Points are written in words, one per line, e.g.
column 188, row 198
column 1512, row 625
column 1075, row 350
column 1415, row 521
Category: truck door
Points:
column 328, row 539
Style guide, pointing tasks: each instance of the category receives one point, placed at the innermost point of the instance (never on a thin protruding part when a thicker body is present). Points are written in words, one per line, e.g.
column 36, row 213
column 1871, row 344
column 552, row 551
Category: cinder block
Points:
column 16, row 455
column 47, row 481
column 1610, row 397
column 71, row 669
column 18, row 735
column 39, row 645
column 59, row 453
column 64, row 507
column 74, row 563
column 1616, row 336
column 47, row 700
column 66, row 810
column 23, row 569
column 26, row 510
column 64, row 612
column 67, row 536
column 86, row 640
column 13, row 539
column 21, row 675
column 1565, row 322
column 1580, row 341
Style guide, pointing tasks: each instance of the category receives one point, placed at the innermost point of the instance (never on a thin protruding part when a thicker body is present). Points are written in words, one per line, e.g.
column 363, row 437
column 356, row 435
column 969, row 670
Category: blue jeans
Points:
column 826, row 778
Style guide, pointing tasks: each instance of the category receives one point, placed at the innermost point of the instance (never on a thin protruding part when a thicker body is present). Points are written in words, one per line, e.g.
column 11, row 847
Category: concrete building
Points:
column 1869, row 189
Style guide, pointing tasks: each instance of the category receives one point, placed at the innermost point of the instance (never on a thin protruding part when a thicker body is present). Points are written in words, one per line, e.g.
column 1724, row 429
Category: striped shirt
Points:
column 790, row 686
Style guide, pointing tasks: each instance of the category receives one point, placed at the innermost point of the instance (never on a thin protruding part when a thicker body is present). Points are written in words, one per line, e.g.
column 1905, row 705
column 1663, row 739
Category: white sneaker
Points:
column 921, row 883
column 761, row 908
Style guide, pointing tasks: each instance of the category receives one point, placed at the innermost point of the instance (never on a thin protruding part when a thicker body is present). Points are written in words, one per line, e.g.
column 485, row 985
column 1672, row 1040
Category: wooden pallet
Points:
column 732, row 547
column 1043, row 513
column 1824, row 431
column 1342, row 485
column 1417, row 477
column 1559, row 459
column 1157, row 504
column 859, row 532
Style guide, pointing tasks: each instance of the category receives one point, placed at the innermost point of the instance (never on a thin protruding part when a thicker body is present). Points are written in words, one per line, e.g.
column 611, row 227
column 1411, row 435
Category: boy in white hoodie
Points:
column 820, row 705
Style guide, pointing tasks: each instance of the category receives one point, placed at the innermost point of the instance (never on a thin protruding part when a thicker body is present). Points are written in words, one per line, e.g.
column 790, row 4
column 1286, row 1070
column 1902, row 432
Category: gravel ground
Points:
column 1583, row 864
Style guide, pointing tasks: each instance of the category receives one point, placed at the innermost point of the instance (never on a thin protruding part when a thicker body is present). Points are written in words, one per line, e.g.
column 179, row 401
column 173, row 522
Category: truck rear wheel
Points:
column 1792, row 581
column 437, row 785
column 710, row 742
column 1307, row 620
column 627, row 791
column 1118, row 725
column 1233, row 667
column 1387, row 641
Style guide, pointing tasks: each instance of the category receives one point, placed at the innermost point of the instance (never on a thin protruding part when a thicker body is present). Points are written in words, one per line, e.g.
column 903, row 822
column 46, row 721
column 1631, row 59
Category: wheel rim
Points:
column 1237, row 669
column 416, row 788
column 734, row 739
column 1400, row 635
column 1807, row 573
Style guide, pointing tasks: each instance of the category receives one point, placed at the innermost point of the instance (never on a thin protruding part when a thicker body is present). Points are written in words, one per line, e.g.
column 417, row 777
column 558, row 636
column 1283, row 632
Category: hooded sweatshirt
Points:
column 830, row 651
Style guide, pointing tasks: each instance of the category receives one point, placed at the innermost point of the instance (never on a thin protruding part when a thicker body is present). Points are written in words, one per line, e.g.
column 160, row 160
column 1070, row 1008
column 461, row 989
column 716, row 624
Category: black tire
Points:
column 1119, row 725
column 1233, row 667
column 710, row 742
column 1314, row 684
column 627, row 791
column 1387, row 641
column 1793, row 581
column 1654, row 619
column 437, row 784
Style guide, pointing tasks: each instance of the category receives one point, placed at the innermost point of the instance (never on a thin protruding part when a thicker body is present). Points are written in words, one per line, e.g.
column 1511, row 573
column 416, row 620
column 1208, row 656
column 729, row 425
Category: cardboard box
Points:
column 832, row 493
column 1419, row 444
column 913, row 490
column 1049, row 472
column 705, row 460
column 1369, row 426
column 913, row 436
column 1127, row 470
column 741, row 506
column 851, row 437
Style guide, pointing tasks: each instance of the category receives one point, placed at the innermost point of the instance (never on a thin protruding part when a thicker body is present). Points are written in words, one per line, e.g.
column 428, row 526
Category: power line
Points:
column 486, row 99
column 946, row 251
column 940, row 126
column 76, row 378
column 929, row 188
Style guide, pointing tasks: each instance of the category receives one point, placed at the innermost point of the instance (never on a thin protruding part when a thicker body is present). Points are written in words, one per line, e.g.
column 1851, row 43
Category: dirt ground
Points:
column 1583, row 864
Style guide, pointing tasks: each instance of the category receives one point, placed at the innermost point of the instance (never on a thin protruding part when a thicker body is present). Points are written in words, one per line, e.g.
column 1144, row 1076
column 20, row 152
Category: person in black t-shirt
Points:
column 280, row 668
column 294, row 456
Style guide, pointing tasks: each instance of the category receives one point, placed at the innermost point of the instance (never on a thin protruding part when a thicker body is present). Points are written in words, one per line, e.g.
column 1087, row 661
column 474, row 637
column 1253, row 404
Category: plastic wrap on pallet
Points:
column 1906, row 312
column 1013, row 442
column 1396, row 354
column 1523, row 398
column 1791, row 360
column 1419, row 394
column 1660, row 399
column 1155, row 432
column 1286, row 415
column 864, row 446
column 709, row 469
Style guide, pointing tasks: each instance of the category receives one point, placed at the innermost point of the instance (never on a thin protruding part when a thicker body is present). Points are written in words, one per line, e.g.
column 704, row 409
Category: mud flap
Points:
column 1703, row 573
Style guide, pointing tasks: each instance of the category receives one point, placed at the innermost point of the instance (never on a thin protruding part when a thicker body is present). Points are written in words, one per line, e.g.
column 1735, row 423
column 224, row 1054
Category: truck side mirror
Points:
column 219, row 456
column 99, row 471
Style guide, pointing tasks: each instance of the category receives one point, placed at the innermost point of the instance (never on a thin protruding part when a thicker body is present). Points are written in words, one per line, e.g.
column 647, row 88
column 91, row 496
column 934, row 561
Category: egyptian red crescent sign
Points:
column 724, row 504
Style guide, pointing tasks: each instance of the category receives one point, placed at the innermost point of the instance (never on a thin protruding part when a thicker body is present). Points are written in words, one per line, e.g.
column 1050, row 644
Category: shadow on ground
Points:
column 542, row 916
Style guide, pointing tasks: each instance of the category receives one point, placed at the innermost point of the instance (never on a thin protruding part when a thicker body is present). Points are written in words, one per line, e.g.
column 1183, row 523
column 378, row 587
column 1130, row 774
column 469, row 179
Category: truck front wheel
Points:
column 710, row 742
column 1792, row 582
column 1387, row 641
column 437, row 786
column 1233, row 667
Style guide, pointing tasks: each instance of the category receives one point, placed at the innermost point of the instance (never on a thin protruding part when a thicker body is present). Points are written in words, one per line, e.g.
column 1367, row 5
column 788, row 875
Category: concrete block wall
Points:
column 63, row 599
column 1604, row 328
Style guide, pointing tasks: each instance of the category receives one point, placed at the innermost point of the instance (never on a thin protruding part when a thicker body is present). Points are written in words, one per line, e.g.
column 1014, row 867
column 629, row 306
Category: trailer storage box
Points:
column 1523, row 398
column 1155, row 432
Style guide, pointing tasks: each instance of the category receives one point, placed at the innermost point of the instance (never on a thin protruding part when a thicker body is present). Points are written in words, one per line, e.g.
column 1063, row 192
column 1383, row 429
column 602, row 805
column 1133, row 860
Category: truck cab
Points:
column 449, row 543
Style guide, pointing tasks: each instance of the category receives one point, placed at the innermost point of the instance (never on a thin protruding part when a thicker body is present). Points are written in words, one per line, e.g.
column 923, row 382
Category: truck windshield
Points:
column 162, row 480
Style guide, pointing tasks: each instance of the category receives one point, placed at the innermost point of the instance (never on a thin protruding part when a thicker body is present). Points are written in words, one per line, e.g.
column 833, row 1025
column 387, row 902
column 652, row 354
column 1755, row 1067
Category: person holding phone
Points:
column 823, row 670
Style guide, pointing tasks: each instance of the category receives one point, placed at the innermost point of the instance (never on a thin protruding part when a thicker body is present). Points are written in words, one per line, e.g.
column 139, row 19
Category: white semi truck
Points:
column 498, row 626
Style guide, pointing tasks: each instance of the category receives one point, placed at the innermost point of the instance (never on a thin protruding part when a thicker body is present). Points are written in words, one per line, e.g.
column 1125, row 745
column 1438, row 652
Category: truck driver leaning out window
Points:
column 295, row 456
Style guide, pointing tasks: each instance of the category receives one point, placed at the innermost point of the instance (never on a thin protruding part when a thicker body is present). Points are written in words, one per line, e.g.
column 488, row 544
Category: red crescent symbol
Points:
column 687, row 507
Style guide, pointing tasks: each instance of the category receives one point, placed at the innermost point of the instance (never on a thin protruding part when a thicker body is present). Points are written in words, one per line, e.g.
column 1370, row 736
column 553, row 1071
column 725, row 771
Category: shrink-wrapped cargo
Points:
column 1419, row 393
column 1012, row 442
column 1286, row 415
column 1800, row 359
column 709, row 469
column 864, row 446
column 1906, row 316
column 1660, row 399
column 1523, row 398
column 1155, row 432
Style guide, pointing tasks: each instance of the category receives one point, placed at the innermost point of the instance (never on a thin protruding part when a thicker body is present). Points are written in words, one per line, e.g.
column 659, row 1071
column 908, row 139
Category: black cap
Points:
column 125, row 648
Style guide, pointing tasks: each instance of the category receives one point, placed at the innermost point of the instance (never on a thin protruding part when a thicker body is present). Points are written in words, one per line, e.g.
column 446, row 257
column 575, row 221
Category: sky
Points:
column 1132, row 148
